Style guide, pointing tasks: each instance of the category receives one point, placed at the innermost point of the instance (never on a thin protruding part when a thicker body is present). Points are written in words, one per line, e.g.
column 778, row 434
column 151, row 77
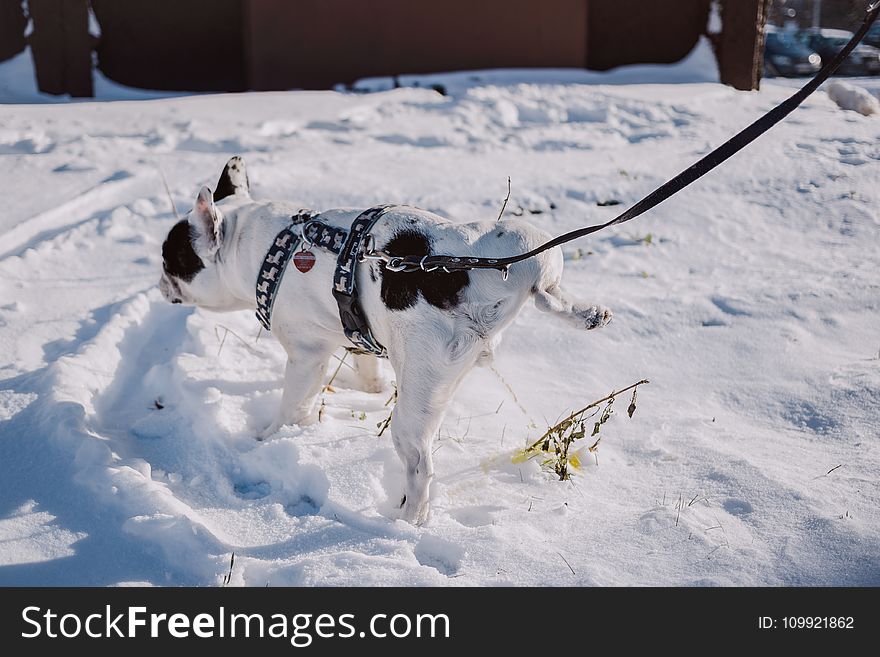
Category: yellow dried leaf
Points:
column 522, row 456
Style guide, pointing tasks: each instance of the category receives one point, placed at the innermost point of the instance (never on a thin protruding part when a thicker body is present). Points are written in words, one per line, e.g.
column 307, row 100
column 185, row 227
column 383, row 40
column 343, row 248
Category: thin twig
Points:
column 385, row 424
column 466, row 431
column 241, row 339
column 506, row 199
column 611, row 396
column 829, row 472
column 714, row 550
column 228, row 576
column 512, row 393
column 168, row 191
column 335, row 372
column 566, row 563
column 223, row 341
column 348, row 365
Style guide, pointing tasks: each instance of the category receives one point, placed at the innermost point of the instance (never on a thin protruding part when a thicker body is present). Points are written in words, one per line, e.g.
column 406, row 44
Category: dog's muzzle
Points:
column 170, row 292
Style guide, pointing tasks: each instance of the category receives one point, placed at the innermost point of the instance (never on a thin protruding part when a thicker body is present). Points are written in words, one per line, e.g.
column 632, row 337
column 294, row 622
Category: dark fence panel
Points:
column 179, row 45
column 12, row 24
column 317, row 43
column 657, row 32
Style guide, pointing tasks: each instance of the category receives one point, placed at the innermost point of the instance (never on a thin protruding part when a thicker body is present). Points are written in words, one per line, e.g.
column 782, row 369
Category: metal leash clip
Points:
column 307, row 244
column 367, row 250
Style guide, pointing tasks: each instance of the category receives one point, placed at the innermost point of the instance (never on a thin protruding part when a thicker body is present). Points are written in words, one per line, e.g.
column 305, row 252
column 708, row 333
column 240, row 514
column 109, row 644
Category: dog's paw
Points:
column 304, row 420
column 415, row 513
column 594, row 317
column 373, row 385
column 307, row 419
column 270, row 430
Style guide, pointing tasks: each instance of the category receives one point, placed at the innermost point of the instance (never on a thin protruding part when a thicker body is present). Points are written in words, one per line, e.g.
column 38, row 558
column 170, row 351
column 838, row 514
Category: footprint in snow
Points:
column 304, row 506
column 440, row 554
column 475, row 516
column 725, row 306
column 737, row 507
column 252, row 490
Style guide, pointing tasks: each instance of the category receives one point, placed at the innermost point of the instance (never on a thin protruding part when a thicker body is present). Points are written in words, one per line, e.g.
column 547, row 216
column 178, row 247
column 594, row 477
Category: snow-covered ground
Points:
column 753, row 457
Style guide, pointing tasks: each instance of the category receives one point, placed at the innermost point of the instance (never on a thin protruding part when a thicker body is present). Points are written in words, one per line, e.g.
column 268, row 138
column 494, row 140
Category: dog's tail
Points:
column 552, row 299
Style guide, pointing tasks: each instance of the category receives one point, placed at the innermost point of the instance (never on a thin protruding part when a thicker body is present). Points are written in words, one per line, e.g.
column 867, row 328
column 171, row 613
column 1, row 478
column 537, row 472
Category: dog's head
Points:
column 191, row 257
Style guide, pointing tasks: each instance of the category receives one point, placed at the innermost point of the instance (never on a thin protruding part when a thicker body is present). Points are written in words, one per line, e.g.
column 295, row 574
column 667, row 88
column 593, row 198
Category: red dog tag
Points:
column 304, row 260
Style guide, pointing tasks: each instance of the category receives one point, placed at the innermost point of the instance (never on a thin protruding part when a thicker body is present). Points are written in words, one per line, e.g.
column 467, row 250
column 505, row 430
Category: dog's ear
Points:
column 207, row 223
column 233, row 180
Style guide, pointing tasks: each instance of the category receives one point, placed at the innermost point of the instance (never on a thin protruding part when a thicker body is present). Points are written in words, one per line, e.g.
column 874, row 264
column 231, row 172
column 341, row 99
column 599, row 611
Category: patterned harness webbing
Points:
column 274, row 265
column 354, row 322
column 347, row 244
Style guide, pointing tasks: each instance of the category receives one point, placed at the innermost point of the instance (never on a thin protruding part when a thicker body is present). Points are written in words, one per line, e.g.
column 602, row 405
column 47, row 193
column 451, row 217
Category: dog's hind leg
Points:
column 553, row 300
column 369, row 373
column 428, row 373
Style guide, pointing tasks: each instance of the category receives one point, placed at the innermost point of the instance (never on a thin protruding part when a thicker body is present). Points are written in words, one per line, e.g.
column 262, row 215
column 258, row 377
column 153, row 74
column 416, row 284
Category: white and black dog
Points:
column 435, row 325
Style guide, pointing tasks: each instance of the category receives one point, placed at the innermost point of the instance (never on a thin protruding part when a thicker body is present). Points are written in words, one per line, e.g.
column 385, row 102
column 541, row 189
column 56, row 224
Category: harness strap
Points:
column 274, row 265
column 354, row 323
column 327, row 237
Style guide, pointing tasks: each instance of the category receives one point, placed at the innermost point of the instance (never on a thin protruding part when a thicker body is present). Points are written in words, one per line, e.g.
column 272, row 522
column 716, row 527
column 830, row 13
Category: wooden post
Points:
column 12, row 24
column 62, row 46
column 741, row 44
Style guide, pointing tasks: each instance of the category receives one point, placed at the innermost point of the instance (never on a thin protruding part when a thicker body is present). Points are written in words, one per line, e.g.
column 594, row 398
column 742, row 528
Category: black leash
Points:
column 682, row 180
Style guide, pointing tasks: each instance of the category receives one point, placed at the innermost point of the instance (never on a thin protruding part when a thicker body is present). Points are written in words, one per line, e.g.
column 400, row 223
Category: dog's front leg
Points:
column 302, row 382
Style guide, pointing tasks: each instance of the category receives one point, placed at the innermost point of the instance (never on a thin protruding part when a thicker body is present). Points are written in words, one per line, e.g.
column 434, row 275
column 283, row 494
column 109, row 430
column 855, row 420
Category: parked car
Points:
column 785, row 55
column 872, row 38
column 863, row 60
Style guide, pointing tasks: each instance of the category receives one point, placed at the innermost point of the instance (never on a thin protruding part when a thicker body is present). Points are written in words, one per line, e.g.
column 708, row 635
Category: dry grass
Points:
column 556, row 444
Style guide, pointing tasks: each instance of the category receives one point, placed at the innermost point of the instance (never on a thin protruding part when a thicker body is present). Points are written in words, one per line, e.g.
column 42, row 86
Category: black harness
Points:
column 305, row 231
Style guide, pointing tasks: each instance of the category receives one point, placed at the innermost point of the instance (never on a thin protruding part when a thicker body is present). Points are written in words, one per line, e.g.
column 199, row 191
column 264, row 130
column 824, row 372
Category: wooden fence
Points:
column 236, row 45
